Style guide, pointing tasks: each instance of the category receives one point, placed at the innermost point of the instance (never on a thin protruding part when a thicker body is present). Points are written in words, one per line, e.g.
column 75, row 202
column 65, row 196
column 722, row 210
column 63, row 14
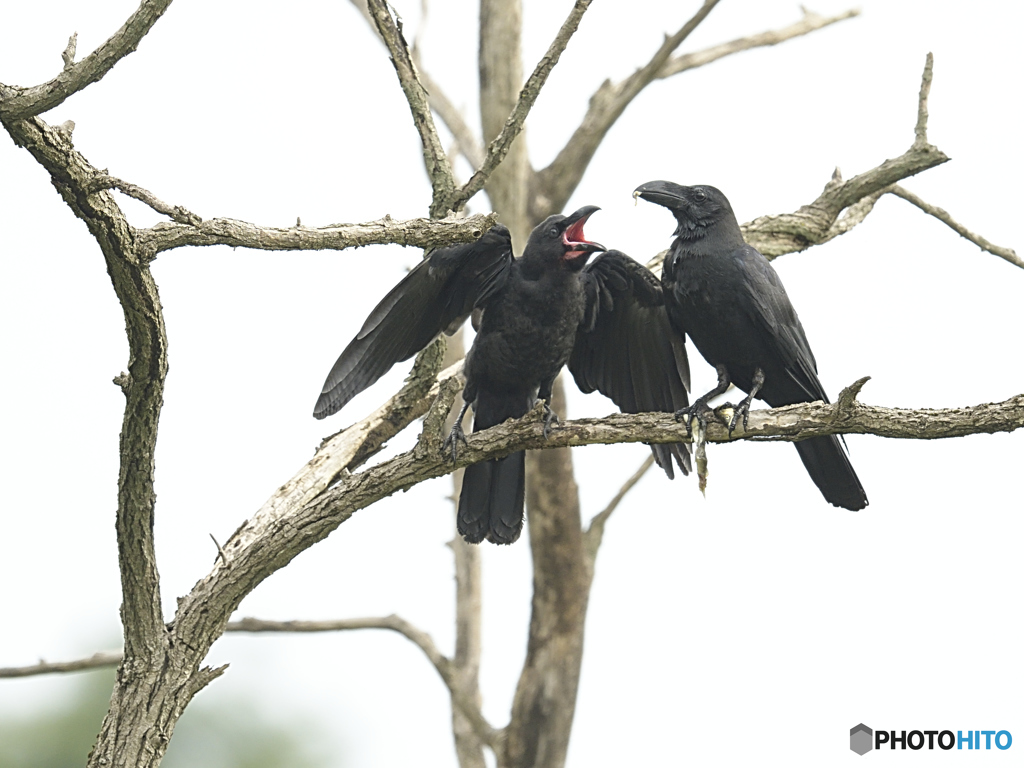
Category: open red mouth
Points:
column 576, row 243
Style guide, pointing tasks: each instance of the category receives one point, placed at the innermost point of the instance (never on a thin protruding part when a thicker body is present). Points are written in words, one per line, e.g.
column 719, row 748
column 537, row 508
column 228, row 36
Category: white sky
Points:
column 757, row 622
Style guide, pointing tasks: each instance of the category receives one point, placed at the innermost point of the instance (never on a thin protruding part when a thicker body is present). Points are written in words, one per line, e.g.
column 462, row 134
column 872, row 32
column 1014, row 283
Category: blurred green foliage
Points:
column 228, row 733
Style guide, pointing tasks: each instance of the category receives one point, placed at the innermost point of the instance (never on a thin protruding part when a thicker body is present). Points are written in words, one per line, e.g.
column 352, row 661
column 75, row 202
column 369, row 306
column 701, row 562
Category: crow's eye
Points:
column 553, row 232
column 700, row 195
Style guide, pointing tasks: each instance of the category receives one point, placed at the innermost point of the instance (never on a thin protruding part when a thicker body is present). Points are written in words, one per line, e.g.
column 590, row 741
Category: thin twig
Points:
column 465, row 140
column 1004, row 253
column 460, row 698
column 552, row 186
column 921, row 128
column 595, row 531
column 96, row 661
column 811, row 22
column 174, row 212
column 498, row 148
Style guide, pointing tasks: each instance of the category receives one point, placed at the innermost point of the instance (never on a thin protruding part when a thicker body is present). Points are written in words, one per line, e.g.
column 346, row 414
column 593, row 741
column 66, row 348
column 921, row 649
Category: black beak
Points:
column 666, row 193
column 572, row 232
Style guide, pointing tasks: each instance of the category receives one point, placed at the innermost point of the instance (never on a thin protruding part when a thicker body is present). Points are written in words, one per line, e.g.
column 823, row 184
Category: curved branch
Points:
column 933, row 210
column 420, row 233
column 394, row 623
column 551, row 187
column 22, row 103
column 499, row 147
column 594, row 534
column 136, row 290
column 811, row 22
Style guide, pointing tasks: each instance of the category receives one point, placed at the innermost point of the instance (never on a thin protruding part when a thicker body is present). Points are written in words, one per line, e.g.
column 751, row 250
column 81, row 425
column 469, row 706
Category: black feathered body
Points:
column 736, row 312
column 727, row 297
column 525, row 337
column 527, row 331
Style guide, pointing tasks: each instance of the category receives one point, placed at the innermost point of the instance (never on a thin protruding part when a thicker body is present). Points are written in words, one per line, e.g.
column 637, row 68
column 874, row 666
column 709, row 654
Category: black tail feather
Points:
column 830, row 469
column 491, row 502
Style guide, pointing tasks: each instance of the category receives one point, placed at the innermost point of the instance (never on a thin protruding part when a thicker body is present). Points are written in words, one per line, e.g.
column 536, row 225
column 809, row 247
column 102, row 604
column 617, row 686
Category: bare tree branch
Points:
column 811, row 22
column 21, row 103
column 1004, row 253
column 499, row 147
column 465, row 140
column 439, row 102
column 174, row 212
column 439, row 170
column 551, row 187
column 594, row 534
column 96, row 661
column 420, row 233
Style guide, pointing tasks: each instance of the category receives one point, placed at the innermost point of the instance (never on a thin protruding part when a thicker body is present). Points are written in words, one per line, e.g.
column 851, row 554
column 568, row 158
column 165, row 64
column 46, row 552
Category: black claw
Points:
column 454, row 438
column 700, row 411
column 743, row 409
column 550, row 417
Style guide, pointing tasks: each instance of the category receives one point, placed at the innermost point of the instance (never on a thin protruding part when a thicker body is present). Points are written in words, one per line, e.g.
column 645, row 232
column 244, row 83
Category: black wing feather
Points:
column 436, row 296
column 627, row 350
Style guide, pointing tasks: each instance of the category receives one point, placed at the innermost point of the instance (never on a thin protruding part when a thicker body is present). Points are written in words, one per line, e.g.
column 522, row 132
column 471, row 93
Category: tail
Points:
column 830, row 469
column 491, row 501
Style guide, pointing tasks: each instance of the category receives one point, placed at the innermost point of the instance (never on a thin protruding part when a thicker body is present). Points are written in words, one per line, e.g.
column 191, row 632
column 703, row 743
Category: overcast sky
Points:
column 756, row 621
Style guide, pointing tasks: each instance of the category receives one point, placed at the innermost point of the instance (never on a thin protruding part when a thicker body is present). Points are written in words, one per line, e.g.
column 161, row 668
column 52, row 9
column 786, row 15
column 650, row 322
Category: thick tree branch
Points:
column 1004, row 253
column 420, row 233
column 71, row 175
column 21, row 103
column 499, row 147
column 551, row 187
column 439, row 170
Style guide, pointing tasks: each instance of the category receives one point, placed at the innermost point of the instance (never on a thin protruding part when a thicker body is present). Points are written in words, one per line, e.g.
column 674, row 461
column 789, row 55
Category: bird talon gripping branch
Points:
column 456, row 436
column 550, row 417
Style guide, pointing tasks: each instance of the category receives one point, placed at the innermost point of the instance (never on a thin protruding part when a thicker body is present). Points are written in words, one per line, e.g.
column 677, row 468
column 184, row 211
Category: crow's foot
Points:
column 700, row 411
column 550, row 417
column 455, row 437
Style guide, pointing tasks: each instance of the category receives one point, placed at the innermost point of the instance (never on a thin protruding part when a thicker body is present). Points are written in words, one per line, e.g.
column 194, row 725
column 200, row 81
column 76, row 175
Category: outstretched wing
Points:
column 436, row 296
column 627, row 350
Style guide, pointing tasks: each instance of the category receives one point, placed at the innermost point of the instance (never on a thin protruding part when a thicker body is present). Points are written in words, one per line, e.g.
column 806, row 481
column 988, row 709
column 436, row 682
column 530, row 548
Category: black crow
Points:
column 538, row 310
column 728, row 298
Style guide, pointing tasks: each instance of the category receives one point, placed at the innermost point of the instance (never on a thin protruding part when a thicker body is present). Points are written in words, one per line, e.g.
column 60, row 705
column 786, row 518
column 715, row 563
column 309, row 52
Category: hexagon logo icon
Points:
column 860, row 739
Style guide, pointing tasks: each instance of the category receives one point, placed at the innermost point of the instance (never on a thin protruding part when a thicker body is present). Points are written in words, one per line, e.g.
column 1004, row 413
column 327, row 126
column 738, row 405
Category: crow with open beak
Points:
column 538, row 310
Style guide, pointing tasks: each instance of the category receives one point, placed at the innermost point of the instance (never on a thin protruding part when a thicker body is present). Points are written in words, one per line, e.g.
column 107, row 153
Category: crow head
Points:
column 560, row 239
column 697, row 209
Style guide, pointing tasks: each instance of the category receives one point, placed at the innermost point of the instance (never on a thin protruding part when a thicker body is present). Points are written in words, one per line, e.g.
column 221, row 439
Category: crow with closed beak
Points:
column 727, row 297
